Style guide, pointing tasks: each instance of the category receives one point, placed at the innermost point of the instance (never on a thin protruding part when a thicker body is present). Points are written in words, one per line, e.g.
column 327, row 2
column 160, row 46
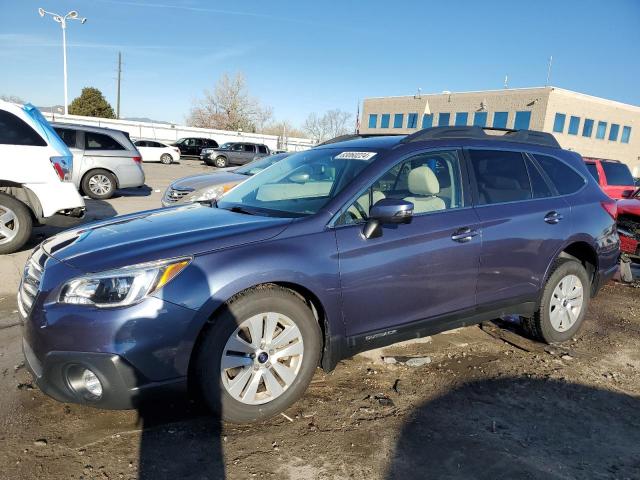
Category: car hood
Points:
column 196, row 182
column 159, row 234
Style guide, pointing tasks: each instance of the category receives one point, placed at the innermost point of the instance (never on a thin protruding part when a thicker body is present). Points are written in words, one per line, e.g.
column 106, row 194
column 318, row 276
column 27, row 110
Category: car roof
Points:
column 380, row 143
column 86, row 128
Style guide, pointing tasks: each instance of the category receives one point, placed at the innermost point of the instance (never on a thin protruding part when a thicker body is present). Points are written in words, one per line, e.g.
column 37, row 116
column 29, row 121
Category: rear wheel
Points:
column 99, row 184
column 563, row 305
column 166, row 159
column 259, row 355
column 15, row 224
column 221, row 162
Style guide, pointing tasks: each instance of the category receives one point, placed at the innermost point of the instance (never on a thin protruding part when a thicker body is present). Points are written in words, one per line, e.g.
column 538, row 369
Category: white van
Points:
column 35, row 177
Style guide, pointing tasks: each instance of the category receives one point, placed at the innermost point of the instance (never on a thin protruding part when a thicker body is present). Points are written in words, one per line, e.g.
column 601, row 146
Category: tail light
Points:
column 611, row 207
column 137, row 159
column 63, row 172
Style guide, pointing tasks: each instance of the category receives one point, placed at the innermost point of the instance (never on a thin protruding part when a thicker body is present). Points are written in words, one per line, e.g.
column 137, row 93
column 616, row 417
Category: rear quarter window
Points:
column 617, row 174
column 593, row 170
column 565, row 179
column 15, row 131
column 99, row 141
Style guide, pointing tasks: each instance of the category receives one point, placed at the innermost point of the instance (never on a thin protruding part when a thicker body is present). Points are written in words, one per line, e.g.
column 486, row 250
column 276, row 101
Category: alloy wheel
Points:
column 566, row 303
column 9, row 225
column 99, row 184
column 262, row 358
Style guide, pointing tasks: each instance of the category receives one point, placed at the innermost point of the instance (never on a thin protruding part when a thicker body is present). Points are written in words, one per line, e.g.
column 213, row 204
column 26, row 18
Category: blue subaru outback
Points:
column 343, row 248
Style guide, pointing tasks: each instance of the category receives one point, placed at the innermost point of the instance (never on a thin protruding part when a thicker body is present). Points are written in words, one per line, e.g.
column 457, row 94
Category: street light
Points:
column 72, row 15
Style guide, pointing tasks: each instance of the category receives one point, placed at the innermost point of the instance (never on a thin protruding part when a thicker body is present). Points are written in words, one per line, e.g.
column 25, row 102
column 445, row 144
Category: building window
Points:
column 384, row 120
column 398, row 120
column 373, row 120
column 613, row 133
column 626, row 134
column 574, row 125
column 602, row 129
column 427, row 120
column 500, row 119
column 587, row 128
column 558, row 123
column 412, row 120
column 522, row 121
column 461, row 119
column 443, row 119
column 480, row 119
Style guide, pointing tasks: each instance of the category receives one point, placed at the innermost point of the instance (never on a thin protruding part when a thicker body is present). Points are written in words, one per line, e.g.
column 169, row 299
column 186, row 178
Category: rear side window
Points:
column 593, row 170
column 262, row 149
column 617, row 174
column 15, row 131
column 501, row 176
column 249, row 148
column 565, row 178
column 99, row 141
column 69, row 137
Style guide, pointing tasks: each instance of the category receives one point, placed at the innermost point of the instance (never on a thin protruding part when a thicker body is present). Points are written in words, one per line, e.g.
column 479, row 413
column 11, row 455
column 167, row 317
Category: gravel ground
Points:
column 479, row 402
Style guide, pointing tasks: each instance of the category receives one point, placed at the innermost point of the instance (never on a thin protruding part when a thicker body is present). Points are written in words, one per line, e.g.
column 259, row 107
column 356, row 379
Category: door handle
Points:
column 553, row 217
column 463, row 235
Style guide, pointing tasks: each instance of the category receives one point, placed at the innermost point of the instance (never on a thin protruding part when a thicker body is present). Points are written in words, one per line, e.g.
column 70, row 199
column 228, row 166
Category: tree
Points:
column 229, row 107
column 332, row 124
column 91, row 103
column 283, row 128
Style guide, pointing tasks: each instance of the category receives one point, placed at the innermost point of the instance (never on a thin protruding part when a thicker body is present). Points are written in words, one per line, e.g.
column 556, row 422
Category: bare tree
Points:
column 283, row 129
column 229, row 107
column 332, row 124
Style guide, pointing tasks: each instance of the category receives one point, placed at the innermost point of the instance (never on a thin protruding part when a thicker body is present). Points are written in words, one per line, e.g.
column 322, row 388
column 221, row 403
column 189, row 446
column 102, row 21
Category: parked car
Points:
column 208, row 187
column 104, row 159
column 154, row 151
column 192, row 146
column 35, row 179
column 629, row 224
column 329, row 252
column 234, row 153
column 613, row 176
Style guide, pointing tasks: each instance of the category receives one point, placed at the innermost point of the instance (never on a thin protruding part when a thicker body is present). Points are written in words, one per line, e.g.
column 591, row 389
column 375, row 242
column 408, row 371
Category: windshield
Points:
column 298, row 185
column 257, row 166
column 225, row 146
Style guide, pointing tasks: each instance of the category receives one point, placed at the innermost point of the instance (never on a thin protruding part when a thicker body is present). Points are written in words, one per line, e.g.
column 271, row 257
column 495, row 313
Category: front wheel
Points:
column 259, row 355
column 221, row 162
column 563, row 305
column 15, row 224
column 99, row 184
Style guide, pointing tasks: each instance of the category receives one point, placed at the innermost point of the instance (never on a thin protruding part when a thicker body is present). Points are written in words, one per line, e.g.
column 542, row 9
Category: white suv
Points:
column 35, row 177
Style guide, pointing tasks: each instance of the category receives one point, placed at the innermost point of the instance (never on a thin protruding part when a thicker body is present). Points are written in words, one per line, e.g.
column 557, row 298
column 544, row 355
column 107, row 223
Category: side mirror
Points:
column 627, row 193
column 385, row 212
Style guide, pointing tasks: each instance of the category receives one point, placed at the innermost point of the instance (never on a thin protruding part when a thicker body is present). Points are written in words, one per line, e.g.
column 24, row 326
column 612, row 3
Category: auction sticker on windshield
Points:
column 355, row 156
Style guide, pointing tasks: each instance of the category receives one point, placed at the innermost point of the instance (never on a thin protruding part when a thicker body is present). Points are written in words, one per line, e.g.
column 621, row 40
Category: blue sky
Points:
column 306, row 56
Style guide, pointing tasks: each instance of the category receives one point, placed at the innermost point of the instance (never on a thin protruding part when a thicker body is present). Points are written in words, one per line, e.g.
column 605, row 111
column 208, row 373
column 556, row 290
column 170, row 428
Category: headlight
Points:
column 121, row 287
column 212, row 193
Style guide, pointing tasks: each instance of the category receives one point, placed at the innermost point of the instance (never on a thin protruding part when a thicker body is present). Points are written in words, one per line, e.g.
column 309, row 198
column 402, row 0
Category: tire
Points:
column 221, row 162
column 99, row 184
column 557, row 319
column 166, row 159
column 15, row 224
column 227, row 391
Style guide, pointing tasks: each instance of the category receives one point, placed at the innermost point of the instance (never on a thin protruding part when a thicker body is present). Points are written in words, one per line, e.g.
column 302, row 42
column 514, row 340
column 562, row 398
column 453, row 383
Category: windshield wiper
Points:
column 239, row 209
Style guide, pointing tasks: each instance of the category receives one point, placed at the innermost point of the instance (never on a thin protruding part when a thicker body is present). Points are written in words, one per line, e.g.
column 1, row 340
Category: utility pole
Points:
column 549, row 71
column 119, row 80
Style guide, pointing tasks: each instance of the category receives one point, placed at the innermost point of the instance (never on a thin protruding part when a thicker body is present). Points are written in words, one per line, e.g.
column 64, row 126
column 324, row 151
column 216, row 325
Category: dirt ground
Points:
column 479, row 407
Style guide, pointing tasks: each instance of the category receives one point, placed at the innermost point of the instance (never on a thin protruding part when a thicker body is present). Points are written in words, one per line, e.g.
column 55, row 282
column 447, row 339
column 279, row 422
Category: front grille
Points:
column 173, row 195
column 31, row 278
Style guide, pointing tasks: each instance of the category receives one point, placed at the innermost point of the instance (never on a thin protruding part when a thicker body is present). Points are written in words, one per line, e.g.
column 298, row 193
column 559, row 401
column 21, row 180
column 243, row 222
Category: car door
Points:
column 523, row 223
column 236, row 153
column 415, row 271
column 145, row 151
column 249, row 153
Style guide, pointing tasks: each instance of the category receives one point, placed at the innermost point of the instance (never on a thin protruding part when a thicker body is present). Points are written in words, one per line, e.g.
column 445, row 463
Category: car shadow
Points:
column 521, row 428
column 143, row 191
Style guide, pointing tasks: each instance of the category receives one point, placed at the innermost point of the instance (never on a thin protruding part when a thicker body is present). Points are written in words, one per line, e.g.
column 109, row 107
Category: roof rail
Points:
column 355, row 136
column 518, row 136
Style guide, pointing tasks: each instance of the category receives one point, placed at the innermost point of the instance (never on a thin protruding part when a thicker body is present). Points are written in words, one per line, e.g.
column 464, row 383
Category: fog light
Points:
column 91, row 383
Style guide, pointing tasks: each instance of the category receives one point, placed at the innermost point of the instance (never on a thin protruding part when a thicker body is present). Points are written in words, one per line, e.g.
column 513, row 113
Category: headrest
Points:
column 422, row 181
